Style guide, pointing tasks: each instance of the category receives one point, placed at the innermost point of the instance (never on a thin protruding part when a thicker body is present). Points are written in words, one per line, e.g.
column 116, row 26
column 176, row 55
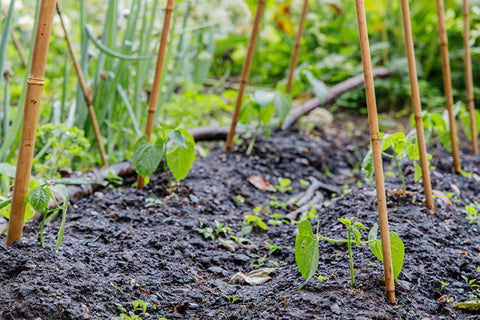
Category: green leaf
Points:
column 347, row 222
column 180, row 156
column 397, row 248
column 265, row 114
column 61, row 231
column 146, row 157
column 306, row 251
column 358, row 225
column 418, row 171
column 367, row 165
column 263, row 98
column 357, row 236
column 177, row 137
column 319, row 88
column 282, row 104
column 38, row 198
column 249, row 112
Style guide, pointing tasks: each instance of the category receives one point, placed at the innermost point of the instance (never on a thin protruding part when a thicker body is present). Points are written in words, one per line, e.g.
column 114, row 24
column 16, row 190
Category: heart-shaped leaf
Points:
column 146, row 156
column 180, row 154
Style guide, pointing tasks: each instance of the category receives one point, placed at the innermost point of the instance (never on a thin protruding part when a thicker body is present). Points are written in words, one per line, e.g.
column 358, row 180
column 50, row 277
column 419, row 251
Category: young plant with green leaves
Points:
column 38, row 198
column 403, row 147
column 259, row 109
column 307, row 250
column 175, row 146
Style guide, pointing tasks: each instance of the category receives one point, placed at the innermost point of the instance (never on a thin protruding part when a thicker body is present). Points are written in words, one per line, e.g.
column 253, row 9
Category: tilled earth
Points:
column 123, row 245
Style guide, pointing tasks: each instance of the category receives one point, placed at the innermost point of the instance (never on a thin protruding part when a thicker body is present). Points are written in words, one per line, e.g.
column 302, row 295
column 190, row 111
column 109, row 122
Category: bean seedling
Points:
column 403, row 147
column 307, row 247
column 175, row 145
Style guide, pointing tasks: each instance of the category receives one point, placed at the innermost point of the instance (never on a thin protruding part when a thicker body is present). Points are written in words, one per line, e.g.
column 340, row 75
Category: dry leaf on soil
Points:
column 253, row 277
column 261, row 183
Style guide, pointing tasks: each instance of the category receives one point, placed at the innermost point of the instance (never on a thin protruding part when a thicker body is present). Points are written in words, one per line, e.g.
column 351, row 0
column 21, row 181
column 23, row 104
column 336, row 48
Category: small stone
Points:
column 335, row 308
column 98, row 195
column 216, row 270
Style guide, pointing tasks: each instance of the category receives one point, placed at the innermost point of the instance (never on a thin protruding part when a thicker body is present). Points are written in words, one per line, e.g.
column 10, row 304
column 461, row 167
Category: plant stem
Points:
column 401, row 173
column 350, row 256
column 252, row 141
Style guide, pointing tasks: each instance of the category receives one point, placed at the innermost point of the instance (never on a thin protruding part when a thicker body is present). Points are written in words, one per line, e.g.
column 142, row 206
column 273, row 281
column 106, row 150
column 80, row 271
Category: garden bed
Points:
column 124, row 245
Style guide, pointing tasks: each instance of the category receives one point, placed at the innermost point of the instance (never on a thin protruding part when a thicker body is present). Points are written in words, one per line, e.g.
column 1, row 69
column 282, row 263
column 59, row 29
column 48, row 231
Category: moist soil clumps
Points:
column 177, row 248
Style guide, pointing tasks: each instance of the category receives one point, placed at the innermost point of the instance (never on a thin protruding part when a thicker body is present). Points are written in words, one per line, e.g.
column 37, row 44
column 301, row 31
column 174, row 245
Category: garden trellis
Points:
column 37, row 74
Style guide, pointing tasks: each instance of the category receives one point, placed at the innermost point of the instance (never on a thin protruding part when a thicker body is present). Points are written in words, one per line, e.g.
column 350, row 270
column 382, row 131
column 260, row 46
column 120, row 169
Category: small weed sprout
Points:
column 251, row 222
column 284, row 185
column 219, row 230
column 472, row 215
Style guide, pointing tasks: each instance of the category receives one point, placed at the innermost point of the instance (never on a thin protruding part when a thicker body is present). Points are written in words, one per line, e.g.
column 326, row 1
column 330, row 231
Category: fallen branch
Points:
column 314, row 203
column 332, row 94
column 303, row 198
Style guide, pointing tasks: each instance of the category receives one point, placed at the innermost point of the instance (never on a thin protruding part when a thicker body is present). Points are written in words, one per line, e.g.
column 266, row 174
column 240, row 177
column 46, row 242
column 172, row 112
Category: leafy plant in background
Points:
column 259, row 108
column 57, row 146
column 307, row 247
column 175, row 146
column 402, row 147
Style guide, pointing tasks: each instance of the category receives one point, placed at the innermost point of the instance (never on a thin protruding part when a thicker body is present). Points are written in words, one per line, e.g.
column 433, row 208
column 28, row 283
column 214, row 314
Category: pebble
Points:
column 335, row 308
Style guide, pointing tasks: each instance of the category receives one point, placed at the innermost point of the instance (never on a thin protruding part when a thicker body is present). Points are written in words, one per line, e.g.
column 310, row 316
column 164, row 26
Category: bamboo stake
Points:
column 447, row 83
column 158, row 77
column 245, row 74
column 296, row 49
column 86, row 95
column 377, row 156
column 469, row 76
column 417, row 108
column 33, row 97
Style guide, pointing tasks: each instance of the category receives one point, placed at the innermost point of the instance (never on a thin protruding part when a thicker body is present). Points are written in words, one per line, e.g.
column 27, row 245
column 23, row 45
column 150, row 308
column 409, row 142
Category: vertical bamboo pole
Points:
column 377, row 156
column 469, row 76
column 447, row 83
column 417, row 108
column 158, row 77
column 86, row 95
column 33, row 97
column 296, row 49
column 245, row 74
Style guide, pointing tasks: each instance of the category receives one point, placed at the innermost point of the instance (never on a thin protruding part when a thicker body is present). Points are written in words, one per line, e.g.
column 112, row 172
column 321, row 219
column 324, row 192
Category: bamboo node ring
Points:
column 35, row 81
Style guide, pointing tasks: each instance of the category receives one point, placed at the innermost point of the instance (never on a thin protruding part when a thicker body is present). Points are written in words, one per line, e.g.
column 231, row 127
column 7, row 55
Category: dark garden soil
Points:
column 123, row 245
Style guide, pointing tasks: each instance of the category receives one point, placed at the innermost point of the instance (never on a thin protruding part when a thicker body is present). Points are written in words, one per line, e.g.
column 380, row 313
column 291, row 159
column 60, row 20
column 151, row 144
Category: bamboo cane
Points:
column 33, row 97
column 86, row 95
column 469, row 76
column 296, row 49
column 377, row 156
column 417, row 108
column 447, row 83
column 158, row 76
column 245, row 74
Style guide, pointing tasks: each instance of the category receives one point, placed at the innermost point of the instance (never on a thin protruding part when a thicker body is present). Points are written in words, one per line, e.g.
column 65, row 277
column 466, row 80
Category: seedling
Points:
column 284, row 185
column 139, row 308
column 403, row 147
column 444, row 285
column 37, row 200
column 175, row 146
column 472, row 215
column 240, row 199
column 259, row 109
column 271, row 248
column 250, row 222
column 304, row 183
column 307, row 247
column 219, row 230
column 152, row 202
